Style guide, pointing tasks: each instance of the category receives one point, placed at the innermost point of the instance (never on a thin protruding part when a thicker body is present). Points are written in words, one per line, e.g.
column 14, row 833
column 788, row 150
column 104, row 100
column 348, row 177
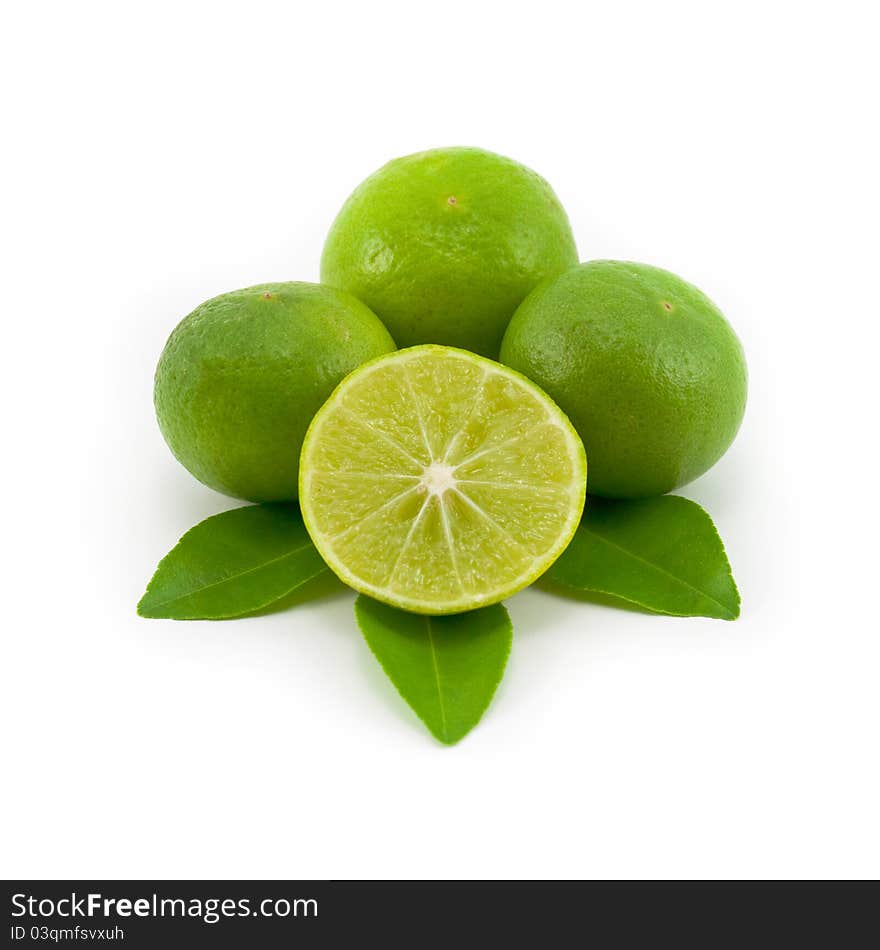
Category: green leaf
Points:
column 233, row 564
column 446, row 668
column 661, row 554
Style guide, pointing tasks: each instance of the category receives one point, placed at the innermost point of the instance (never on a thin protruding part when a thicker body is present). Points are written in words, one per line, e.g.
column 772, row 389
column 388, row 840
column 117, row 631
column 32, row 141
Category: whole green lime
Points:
column 646, row 367
column 445, row 244
column 241, row 377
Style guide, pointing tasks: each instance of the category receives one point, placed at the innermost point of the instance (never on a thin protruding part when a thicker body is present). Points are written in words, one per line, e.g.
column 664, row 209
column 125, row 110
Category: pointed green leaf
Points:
column 446, row 668
column 233, row 564
column 661, row 554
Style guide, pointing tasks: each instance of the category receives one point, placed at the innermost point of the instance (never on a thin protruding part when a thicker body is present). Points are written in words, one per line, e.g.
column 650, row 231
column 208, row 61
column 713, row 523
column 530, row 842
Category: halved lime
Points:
column 439, row 481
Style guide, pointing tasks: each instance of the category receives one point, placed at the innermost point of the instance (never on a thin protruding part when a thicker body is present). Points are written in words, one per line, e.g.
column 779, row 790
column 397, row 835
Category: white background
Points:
column 158, row 154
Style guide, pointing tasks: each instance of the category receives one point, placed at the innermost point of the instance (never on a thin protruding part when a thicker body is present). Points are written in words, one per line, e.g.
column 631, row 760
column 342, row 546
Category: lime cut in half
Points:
column 439, row 481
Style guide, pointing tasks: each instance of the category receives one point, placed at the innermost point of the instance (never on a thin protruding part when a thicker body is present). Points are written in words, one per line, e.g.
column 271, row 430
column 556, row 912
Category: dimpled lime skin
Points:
column 444, row 245
column 646, row 367
column 241, row 377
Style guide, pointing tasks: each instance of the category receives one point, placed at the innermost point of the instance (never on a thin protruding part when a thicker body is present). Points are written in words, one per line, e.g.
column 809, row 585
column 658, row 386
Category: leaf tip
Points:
column 448, row 739
column 148, row 608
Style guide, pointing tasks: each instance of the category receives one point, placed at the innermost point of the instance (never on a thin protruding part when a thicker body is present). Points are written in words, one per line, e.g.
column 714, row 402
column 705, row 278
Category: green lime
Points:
column 444, row 245
column 439, row 481
column 241, row 377
column 650, row 373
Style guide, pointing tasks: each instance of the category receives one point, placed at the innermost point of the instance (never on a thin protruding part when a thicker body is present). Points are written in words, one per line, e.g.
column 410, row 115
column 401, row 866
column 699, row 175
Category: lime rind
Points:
column 441, row 507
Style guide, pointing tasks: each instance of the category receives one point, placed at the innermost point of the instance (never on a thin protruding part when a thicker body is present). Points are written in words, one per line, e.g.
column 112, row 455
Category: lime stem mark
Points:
column 452, row 200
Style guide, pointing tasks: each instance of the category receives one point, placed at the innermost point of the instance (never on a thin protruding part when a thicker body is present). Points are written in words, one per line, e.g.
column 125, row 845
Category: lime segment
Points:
column 438, row 481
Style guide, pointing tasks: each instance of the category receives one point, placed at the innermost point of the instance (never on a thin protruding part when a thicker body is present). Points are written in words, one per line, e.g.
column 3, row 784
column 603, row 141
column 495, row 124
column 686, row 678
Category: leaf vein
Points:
column 232, row 577
column 660, row 569
column 442, row 705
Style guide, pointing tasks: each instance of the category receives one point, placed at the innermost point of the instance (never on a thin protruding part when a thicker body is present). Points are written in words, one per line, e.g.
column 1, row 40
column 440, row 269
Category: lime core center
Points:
column 438, row 478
